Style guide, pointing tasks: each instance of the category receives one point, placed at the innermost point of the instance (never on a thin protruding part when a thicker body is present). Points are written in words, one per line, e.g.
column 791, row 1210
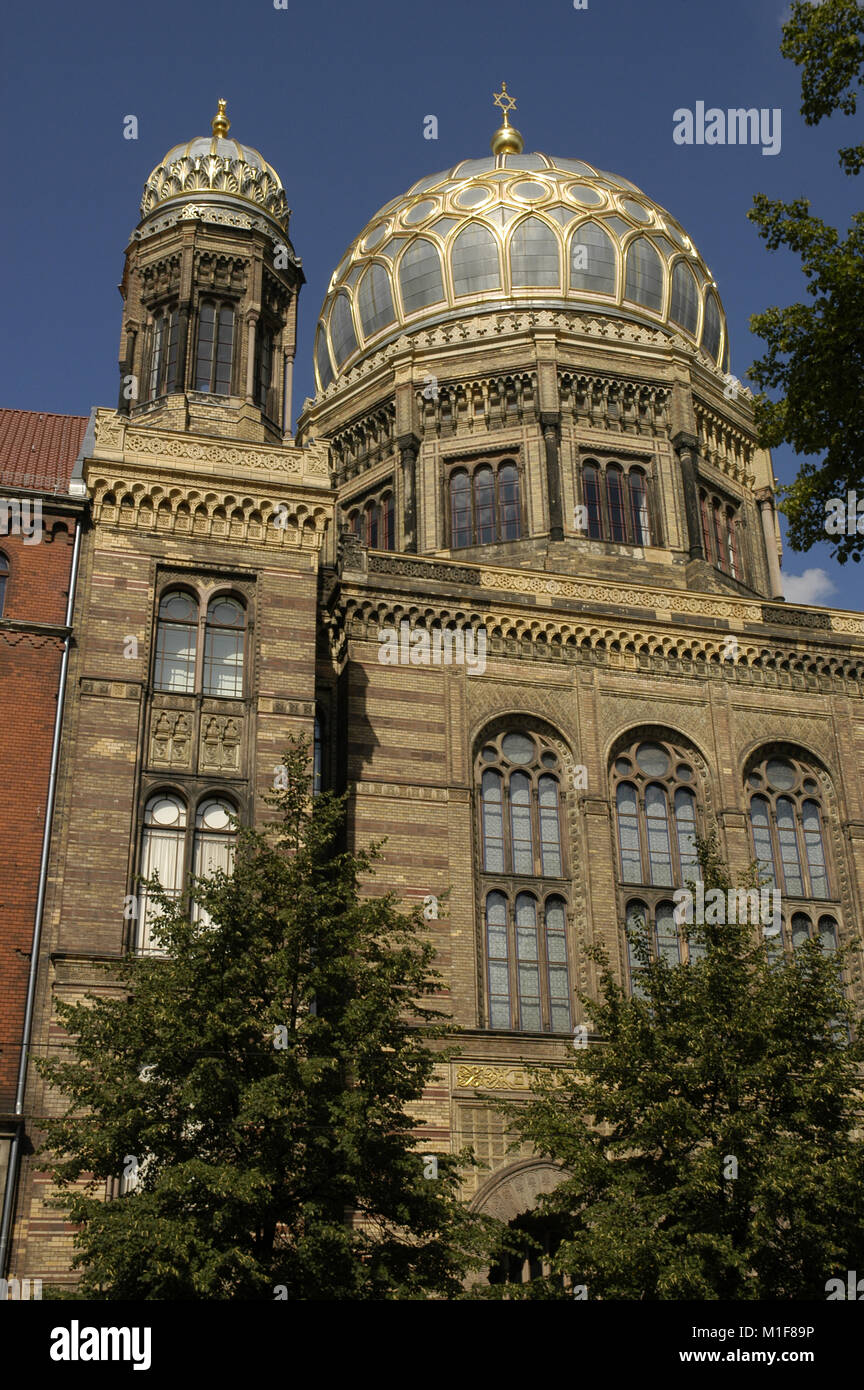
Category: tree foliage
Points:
column 263, row 1078
column 815, row 349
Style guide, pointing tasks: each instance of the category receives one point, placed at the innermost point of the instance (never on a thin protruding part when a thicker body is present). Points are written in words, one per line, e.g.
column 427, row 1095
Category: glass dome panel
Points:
column 534, row 254
column 375, row 301
column 473, row 197
column 711, row 328
column 531, row 192
column 685, row 299
column 469, row 167
column 474, row 260
column 585, row 196
column 636, row 210
column 592, row 260
column 429, row 182
column 617, row 179
column 375, row 237
column 618, row 225
column 420, row 276
column 524, row 161
column 561, row 214
column 342, row 335
column 644, row 281
column 444, row 225
column 573, row 166
column 322, row 357
column 392, row 246
column 676, row 236
column 419, row 212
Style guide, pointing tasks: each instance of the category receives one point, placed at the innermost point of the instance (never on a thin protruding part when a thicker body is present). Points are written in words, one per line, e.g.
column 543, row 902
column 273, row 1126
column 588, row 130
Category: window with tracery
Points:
column 200, row 646
column 175, row 851
column 617, row 500
column 525, row 892
column 484, row 503
column 787, row 822
column 657, row 819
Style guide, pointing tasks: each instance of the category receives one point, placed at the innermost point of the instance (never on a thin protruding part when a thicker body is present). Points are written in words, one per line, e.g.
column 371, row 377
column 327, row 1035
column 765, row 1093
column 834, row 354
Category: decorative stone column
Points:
column 686, row 446
column 551, row 440
column 409, row 446
column 765, row 498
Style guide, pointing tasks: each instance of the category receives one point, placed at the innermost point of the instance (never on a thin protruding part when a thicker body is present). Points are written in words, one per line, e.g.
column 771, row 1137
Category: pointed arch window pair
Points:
column 524, row 889
column 374, row 521
column 198, row 647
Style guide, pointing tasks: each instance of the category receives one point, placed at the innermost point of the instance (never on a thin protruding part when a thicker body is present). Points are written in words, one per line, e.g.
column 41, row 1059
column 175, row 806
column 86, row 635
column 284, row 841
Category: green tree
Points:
column 707, row 1144
column 262, row 1079
column 815, row 356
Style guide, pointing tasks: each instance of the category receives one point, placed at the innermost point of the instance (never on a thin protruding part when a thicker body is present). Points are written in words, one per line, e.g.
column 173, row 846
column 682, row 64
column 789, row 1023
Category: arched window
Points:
column 375, row 301
column 4, row 575
column 163, row 353
column 639, row 516
column 534, row 255
column 644, row 275
column 420, row 278
column 684, row 309
column 657, row 816
column 213, row 850
column 591, row 493
column 373, row 524
column 342, row 335
column 592, row 260
column 264, row 348
column 706, row 527
column 223, row 648
column 215, row 348
column 636, row 918
column 474, row 260
column 658, row 928
column 176, row 643
column 733, row 562
column 615, row 500
column 518, row 775
column 508, row 502
column 389, row 521
column 484, row 504
column 786, row 820
column 460, row 508
column 711, row 329
column 720, row 539
column 162, row 856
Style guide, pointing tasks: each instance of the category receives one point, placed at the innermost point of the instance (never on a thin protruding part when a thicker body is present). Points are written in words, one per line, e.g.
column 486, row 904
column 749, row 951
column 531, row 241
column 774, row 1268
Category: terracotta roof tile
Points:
column 38, row 451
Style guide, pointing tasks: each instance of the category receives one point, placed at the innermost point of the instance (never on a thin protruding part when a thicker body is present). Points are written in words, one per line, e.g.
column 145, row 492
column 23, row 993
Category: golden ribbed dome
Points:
column 213, row 170
column 516, row 230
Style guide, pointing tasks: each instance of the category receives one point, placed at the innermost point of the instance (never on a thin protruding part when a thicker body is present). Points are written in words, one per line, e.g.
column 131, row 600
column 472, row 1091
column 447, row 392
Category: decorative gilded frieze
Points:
column 485, row 1077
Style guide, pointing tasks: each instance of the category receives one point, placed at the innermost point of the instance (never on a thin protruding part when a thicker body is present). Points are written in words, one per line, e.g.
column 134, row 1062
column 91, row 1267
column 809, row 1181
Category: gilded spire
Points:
column 506, row 139
column 220, row 124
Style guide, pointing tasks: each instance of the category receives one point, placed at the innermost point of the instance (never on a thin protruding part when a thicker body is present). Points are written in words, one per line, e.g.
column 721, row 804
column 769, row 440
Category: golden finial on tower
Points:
column 220, row 124
column 506, row 139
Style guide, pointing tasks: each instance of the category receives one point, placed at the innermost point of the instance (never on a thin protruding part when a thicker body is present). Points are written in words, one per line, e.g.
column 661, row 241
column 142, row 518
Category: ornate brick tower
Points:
column 198, row 590
column 210, row 294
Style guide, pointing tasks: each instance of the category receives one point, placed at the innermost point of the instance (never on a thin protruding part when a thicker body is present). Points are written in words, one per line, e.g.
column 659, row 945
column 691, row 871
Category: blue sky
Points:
column 335, row 96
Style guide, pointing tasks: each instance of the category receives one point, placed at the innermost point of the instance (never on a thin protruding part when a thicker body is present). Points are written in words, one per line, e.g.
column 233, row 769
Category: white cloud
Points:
column 813, row 586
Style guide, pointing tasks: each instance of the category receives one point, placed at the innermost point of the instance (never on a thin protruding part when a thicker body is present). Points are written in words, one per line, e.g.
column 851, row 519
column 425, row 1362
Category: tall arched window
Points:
column 657, row 816
column 484, row 504
column 786, row 820
column 720, row 535
column 163, row 353
column 615, row 499
column 524, row 884
column 214, row 358
column 389, row 521
column 264, row 348
column 373, row 524
column 639, row 515
column 223, row 648
column 176, row 643
column 162, row 856
column 213, row 847
column 591, row 493
column 4, row 576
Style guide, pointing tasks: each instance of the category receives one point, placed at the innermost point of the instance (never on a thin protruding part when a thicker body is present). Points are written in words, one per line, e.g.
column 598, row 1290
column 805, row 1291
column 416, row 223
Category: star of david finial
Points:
column 504, row 100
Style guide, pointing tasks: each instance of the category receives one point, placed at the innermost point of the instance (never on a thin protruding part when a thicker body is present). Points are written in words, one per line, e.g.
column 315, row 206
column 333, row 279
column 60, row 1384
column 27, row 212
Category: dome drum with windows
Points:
column 510, row 230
